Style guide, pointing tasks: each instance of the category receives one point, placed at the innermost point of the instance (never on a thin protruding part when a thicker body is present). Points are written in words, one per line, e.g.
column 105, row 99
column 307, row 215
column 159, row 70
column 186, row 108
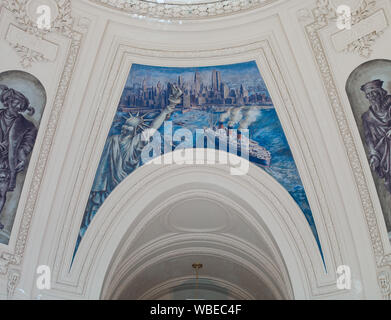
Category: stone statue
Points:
column 377, row 129
column 122, row 154
column 17, row 138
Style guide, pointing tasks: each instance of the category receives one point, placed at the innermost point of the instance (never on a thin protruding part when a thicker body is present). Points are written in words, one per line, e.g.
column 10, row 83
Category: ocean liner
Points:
column 257, row 153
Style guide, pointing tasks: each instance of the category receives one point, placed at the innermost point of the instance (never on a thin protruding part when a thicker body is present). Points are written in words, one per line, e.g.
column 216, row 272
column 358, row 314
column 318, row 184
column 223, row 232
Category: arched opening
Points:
column 248, row 233
column 200, row 227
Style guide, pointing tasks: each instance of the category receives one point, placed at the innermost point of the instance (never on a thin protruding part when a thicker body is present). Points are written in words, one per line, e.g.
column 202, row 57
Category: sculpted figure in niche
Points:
column 122, row 154
column 17, row 137
column 377, row 129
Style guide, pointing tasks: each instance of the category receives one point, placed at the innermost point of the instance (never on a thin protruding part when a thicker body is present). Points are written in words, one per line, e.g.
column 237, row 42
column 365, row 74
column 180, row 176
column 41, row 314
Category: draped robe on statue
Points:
column 120, row 157
column 377, row 123
column 17, row 134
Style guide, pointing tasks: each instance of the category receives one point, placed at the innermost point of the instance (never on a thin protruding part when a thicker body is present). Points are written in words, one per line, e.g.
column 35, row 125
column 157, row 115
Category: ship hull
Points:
column 253, row 157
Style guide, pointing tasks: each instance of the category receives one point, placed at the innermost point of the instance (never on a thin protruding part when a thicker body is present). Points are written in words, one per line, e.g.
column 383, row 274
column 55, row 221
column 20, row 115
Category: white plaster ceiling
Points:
column 199, row 228
column 218, row 275
column 198, row 215
column 201, row 212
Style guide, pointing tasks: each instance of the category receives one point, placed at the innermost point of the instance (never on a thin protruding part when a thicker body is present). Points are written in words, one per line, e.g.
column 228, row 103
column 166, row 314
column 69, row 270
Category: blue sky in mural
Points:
column 220, row 96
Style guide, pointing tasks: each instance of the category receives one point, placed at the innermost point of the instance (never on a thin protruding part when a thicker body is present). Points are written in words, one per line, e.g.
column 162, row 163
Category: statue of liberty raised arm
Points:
column 122, row 154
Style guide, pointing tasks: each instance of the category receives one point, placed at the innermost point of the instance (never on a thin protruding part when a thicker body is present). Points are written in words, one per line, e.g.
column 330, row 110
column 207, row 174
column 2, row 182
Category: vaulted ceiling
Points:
column 248, row 231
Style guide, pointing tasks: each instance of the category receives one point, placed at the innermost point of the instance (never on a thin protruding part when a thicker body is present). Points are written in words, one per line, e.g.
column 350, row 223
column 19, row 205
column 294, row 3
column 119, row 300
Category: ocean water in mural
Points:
column 216, row 99
column 22, row 101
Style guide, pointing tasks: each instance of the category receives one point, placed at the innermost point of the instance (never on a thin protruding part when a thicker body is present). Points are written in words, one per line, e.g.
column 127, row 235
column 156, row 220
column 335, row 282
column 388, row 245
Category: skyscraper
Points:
column 180, row 81
column 224, row 91
column 144, row 85
column 216, row 80
column 197, row 82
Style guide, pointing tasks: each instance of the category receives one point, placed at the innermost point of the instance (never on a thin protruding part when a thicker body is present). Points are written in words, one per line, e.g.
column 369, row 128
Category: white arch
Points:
column 216, row 245
column 236, row 292
column 127, row 208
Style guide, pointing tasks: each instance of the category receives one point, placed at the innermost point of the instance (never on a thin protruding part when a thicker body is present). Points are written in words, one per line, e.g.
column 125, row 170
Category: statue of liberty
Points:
column 122, row 154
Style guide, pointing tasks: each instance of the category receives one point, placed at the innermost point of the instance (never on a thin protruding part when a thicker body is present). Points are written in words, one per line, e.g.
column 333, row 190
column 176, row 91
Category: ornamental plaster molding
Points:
column 385, row 284
column 258, row 48
column 64, row 27
column 326, row 12
column 61, row 24
column 13, row 280
column 27, row 56
column 323, row 14
column 172, row 10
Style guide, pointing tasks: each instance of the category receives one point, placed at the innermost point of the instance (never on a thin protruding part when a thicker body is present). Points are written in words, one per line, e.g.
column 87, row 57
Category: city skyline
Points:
column 245, row 73
column 147, row 87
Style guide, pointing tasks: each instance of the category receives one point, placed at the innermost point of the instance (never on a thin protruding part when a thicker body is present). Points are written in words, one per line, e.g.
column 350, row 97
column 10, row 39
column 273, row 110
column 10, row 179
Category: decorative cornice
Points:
column 171, row 10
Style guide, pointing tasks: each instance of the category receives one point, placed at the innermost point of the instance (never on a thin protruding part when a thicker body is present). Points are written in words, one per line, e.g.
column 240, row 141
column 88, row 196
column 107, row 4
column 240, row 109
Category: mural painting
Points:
column 369, row 92
column 217, row 99
column 22, row 100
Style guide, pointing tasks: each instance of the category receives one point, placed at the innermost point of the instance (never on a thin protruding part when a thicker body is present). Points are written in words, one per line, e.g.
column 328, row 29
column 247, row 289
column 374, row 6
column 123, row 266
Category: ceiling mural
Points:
column 163, row 109
column 369, row 89
column 22, row 101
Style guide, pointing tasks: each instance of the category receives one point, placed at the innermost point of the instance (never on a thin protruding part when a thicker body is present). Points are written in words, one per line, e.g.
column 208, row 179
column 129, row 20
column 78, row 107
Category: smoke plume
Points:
column 249, row 118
